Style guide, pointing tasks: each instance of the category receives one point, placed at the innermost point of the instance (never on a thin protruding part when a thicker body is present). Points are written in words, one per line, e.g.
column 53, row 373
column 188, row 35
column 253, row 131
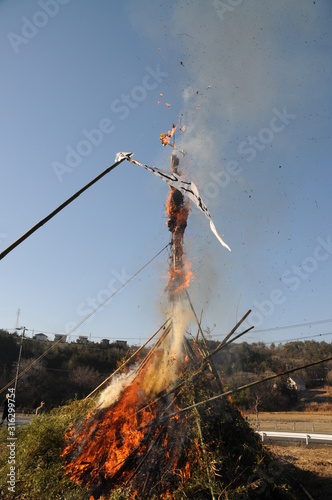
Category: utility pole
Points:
column 19, row 355
column 17, row 317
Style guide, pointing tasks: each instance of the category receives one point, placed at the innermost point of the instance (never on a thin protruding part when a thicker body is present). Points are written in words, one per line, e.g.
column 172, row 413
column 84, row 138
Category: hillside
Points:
column 71, row 371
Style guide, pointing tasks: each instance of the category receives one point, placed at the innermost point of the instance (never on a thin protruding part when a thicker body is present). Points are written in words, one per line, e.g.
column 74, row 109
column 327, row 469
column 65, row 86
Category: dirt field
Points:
column 295, row 421
column 315, row 462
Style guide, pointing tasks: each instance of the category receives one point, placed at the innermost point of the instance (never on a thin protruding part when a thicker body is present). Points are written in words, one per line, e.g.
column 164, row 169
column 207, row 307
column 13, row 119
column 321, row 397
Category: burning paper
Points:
column 166, row 138
column 186, row 187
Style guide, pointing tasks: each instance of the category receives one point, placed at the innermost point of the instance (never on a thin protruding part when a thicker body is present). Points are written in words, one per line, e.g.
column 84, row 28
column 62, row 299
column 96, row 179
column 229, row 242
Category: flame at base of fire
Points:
column 120, row 444
column 105, row 450
column 128, row 439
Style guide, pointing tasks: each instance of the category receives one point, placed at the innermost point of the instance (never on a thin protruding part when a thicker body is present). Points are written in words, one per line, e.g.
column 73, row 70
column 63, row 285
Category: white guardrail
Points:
column 307, row 437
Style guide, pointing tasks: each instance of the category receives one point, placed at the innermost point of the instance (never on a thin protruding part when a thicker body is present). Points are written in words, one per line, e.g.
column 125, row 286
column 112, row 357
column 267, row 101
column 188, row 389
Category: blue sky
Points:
column 251, row 82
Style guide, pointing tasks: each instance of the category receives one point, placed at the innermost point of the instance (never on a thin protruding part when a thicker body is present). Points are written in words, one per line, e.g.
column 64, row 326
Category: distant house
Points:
column 59, row 337
column 104, row 342
column 121, row 343
column 82, row 339
column 40, row 337
column 296, row 383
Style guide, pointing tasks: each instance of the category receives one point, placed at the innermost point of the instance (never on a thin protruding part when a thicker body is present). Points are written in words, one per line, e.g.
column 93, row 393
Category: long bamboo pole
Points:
column 127, row 361
column 213, row 369
column 154, row 348
column 57, row 210
column 203, row 366
column 251, row 384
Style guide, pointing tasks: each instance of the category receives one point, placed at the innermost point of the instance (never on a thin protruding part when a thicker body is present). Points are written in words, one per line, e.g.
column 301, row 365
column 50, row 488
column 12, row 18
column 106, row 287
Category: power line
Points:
column 286, row 327
column 275, row 328
column 54, row 344
column 288, row 340
column 299, row 338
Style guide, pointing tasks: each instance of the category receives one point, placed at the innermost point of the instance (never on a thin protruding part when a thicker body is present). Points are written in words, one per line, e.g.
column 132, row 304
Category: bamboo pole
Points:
column 213, row 369
column 251, row 384
column 196, row 319
column 157, row 344
column 200, row 322
column 126, row 362
column 238, row 336
column 233, row 330
column 58, row 209
column 226, row 341
column 203, row 366
column 205, row 458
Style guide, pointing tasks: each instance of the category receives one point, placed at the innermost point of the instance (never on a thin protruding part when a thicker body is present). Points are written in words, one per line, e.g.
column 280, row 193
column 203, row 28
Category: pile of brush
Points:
column 185, row 441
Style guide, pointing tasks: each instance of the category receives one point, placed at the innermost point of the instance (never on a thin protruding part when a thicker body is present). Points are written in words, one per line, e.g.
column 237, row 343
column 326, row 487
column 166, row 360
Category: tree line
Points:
column 68, row 371
column 71, row 371
column 243, row 363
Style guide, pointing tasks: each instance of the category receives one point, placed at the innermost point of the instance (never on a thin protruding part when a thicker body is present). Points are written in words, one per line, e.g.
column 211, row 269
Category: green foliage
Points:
column 224, row 454
column 72, row 371
column 244, row 363
column 40, row 472
column 58, row 377
column 119, row 494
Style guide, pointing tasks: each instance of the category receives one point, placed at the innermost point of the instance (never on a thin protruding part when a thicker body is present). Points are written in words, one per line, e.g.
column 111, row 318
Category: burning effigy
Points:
column 177, row 209
column 160, row 430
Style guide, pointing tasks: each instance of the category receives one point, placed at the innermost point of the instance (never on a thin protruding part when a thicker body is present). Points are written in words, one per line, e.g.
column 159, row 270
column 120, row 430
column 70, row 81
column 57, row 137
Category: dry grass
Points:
column 313, row 458
column 317, row 400
column 284, row 421
column 316, row 463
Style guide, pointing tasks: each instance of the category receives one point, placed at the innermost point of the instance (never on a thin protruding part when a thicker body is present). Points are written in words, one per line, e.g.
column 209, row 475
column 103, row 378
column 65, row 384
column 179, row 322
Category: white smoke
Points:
column 112, row 392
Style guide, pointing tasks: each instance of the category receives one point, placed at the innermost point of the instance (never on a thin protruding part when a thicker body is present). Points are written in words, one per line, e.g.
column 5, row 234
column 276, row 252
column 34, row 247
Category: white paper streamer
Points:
column 186, row 187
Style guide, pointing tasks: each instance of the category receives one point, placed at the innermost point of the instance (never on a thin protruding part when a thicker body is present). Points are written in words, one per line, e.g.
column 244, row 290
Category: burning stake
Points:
column 177, row 209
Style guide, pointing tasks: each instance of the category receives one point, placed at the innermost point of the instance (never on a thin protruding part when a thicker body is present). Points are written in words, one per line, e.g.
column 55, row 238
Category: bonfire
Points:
column 160, row 429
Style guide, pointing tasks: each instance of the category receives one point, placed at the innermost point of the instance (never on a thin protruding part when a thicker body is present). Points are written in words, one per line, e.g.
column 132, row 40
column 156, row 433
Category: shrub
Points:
column 40, row 471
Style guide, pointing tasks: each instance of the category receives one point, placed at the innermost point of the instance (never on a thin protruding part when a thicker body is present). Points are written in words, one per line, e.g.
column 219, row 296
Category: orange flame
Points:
column 111, row 445
column 108, row 440
column 180, row 273
column 166, row 138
